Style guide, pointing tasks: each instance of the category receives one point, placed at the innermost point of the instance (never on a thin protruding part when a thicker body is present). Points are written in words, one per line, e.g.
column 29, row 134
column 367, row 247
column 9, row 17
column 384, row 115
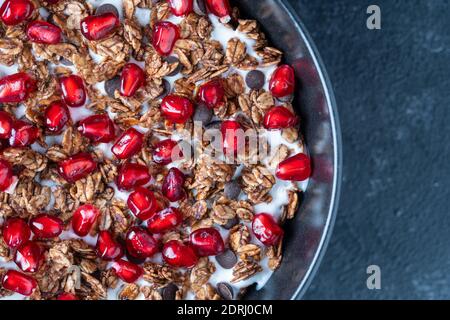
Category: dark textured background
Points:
column 393, row 92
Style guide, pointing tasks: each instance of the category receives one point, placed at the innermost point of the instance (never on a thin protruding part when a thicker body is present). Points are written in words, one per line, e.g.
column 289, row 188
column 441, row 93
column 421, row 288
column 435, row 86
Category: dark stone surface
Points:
column 393, row 92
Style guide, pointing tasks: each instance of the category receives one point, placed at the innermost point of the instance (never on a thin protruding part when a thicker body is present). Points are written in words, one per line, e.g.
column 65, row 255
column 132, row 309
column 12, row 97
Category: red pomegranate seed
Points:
column 172, row 187
column 28, row 256
column 19, row 282
column 23, row 134
column 207, row 242
column 73, row 90
column 127, row 271
column 16, row 232
column 165, row 34
column 107, row 248
column 282, row 82
column 167, row 151
column 6, row 175
column 140, row 244
column 132, row 175
column 181, row 7
column 16, row 87
column 131, row 80
column 98, row 128
column 56, row 116
column 46, row 226
column 66, row 295
column 84, row 218
column 6, row 124
column 296, row 168
column 77, row 167
column 279, row 118
column 99, row 27
column 177, row 254
column 212, row 93
column 142, row 203
column 220, row 8
column 128, row 144
column 231, row 132
column 177, row 109
column 13, row 12
column 165, row 220
column 44, row 32
column 266, row 229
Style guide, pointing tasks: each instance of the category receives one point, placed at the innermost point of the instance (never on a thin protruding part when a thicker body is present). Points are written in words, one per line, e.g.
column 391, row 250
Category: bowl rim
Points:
column 337, row 141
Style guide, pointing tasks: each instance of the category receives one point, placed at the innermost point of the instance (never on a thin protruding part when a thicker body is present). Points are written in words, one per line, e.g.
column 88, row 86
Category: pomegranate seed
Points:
column 207, row 242
column 56, row 116
column 84, row 218
column 282, row 82
column 165, row 220
column 142, row 203
column 46, row 226
column 220, row 8
column 6, row 175
column 167, row 151
column 19, row 282
column 98, row 128
column 107, row 248
column 6, row 124
column 28, row 256
column 172, row 187
column 132, row 175
column 231, row 131
column 181, row 7
column 16, row 232
column 279, row 118
column 177, row 254
column 127, row 271
column 13, row 12
column 177, row 109
column 77, row 167
column 99, row 26
column 266, row 229
column 23, row 134
column 140, row 244
column 66, row 295
column 131, row 80
column 295, row 168
column 128, row 144
column 16, row 87
column 73, row 90
column 212, row 93
column 165, row 34
column 44, row 32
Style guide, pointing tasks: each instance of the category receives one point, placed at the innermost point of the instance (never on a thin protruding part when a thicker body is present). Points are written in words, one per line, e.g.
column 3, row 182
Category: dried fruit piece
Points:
column 220, row 8
column 172, row 187
column 140, row 243
column 46, row 226
column 142, row 203
column 107, row 248
column 167, row 151
column 84, row 218
column 99, row 26
column 6, row 175
column 295, row 168
column 16, row 232
column 6, row 124
column 165, row 34
column 212, row 93
column 23, row 134
column 98, row 128
column 207, row 242
column 28, row 256
column 19, row 282
column 131, row 80
column 181, row 7
column 177, row 254
column 279, row 118
column 266, row 229
column 282, row 82
column 56, row 116
column 177, row 109
column 76, row 167
column 44, row 32
column 127, row 271
column 165, row 220
column 13, row 12
column 16, row 87
column 73, row 90
column 128, row 144
column 132, row 175
column 231, row 131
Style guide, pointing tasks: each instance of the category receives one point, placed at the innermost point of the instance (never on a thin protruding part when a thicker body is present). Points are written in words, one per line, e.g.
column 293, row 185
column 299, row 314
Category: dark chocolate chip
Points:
column 225, row 291
column 201, row 6
column 166, row 89
column 203, row 114
column 227, row 259
column 255, row 79
column 112, row 85
column 177, row 70
column 106, row 8
column 231, row 223
column 169, row 292
column 134, row 259
column 232, row 190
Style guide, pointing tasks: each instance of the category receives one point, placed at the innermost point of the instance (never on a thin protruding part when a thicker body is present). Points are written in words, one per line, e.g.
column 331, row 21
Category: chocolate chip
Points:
column 112, row 85
column 232, row 190
column 231, row 223
column 203, row 114
column 177, row 70
column 225, row 291
column 169, row 292
column 106, row 8
column 227, row 259
column 134, row 259
column 201, row 6
column 166, row 89
column 255, row 79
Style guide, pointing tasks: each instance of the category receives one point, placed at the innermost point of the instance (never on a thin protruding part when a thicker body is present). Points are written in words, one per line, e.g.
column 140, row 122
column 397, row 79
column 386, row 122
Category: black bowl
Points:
column 308, row 234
